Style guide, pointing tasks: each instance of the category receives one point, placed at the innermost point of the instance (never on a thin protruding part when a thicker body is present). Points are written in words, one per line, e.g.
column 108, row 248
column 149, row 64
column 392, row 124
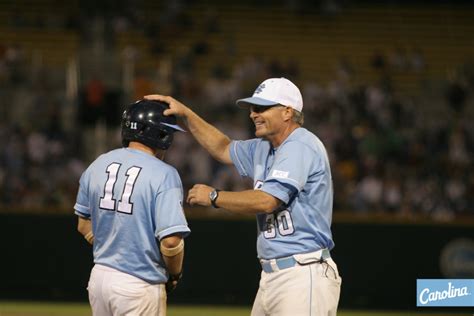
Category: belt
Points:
column 274, row 265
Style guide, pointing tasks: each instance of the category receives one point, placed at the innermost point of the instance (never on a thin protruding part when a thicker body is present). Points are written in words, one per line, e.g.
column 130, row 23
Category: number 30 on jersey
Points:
column 281, row 222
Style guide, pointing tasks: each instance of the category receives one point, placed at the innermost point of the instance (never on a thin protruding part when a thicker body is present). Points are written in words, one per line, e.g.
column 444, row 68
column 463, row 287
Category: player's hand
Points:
column 199, row 195
column 176, row 108
column 172, row 282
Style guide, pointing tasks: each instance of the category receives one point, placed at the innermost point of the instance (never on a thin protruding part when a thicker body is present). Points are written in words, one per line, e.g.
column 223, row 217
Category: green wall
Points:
column 45, row 258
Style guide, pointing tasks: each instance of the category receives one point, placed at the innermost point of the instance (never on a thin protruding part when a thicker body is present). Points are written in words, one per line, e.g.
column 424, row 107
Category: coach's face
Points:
column 269, row 120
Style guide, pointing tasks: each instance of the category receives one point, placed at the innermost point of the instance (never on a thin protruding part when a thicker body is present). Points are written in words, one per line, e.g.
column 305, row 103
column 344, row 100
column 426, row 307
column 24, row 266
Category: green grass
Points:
column 43, row 309
column 77, row 309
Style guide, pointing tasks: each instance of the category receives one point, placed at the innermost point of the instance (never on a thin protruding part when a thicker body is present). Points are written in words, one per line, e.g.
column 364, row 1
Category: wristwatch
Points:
column 213, row 195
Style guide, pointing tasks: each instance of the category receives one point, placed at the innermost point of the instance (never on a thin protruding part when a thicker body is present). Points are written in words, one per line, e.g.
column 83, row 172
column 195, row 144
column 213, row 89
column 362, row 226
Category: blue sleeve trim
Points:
column 84, row 210
column 182, row 229
column 82, row 214
column 282, row 191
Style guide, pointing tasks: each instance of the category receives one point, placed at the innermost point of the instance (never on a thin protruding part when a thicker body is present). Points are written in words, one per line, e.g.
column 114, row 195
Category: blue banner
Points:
column 444, row 292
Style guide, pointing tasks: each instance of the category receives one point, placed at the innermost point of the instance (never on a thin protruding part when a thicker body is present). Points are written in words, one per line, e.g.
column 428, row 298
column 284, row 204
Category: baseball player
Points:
column 130, row 208
column 292, row 198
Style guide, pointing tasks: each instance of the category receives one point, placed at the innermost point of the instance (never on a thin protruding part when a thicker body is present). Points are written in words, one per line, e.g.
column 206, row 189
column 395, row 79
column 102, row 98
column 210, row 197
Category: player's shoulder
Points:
column 165, row 175
column 97, row 164
column 166, row 168
column 249, row 142
column 260, row 144
column 301, row 138
column 250, row 146
column 107, row 155
column 156, row 168
column 153, row 165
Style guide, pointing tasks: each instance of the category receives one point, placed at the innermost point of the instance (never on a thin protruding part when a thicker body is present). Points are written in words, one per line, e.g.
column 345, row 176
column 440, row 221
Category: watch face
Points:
column 213, row 195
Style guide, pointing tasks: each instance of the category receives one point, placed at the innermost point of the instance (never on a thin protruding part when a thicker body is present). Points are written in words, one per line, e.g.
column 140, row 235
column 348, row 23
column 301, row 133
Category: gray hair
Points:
column 298, row 117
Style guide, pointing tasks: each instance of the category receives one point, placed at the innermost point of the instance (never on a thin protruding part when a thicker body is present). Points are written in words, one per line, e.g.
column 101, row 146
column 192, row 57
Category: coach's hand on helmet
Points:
column 176, row 108
column 199, row 195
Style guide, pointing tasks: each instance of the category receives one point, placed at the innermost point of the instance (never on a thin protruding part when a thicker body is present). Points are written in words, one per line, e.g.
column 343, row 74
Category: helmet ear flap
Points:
column 162, row 134
column 142, row 130
column 165, row 138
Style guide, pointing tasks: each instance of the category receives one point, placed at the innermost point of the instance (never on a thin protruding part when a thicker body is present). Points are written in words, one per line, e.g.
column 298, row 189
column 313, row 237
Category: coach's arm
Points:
column 243, row 202
column 212, row 139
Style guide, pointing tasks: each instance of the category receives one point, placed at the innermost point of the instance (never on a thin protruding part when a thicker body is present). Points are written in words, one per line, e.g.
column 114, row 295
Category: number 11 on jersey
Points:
column 107, row 201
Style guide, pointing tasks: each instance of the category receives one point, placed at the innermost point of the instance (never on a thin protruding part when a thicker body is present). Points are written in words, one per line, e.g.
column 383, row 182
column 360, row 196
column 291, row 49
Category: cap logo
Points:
column 259, row 88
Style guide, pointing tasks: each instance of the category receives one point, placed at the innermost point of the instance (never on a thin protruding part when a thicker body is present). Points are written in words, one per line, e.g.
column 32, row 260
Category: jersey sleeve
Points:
column 170, row 218
column 82, row 208
column 290, row 171
column 242, row 153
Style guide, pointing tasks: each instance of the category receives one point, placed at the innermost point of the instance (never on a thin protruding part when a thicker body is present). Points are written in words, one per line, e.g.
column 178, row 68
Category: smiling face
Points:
column 271, row 122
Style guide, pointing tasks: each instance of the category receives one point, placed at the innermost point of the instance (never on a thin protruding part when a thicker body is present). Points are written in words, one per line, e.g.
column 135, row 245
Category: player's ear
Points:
column 287, row 113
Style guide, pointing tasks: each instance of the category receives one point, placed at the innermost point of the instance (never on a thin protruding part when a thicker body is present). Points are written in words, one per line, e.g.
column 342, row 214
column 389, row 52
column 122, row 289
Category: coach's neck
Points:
column 277, row 139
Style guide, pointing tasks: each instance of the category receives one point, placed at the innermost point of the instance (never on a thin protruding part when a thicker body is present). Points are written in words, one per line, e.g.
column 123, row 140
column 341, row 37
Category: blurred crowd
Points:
column 410, row 156
column 395, row 153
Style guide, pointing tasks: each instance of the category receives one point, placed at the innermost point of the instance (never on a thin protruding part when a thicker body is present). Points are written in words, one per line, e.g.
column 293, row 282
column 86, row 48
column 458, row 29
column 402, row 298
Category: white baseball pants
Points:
column 311, row 289
column 114, row 293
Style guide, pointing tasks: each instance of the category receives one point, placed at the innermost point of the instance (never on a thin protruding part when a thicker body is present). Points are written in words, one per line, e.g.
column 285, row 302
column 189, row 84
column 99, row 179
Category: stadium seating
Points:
column 443, row 36
column 39, row 29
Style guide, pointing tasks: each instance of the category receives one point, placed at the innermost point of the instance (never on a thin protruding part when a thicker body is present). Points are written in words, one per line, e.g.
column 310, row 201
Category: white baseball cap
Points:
column 275, row 91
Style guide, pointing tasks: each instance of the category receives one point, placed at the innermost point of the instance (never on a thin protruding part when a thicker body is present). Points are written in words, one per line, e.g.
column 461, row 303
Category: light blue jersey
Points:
column 133, row 199
column 297, row 173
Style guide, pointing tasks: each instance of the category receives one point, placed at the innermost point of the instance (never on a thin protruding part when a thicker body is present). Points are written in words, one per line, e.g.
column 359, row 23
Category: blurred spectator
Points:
column 456, row 94
column 378, row 61
column 95, row 92
column 392, row 195
column 368, row 194
column 458, row 148
column 398, row 59
column 142, row 85
column 93, row 101
column 416, row 60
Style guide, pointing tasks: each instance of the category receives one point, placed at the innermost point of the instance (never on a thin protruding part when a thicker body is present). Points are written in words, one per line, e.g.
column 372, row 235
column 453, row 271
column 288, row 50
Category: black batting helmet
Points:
column 144, row 122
